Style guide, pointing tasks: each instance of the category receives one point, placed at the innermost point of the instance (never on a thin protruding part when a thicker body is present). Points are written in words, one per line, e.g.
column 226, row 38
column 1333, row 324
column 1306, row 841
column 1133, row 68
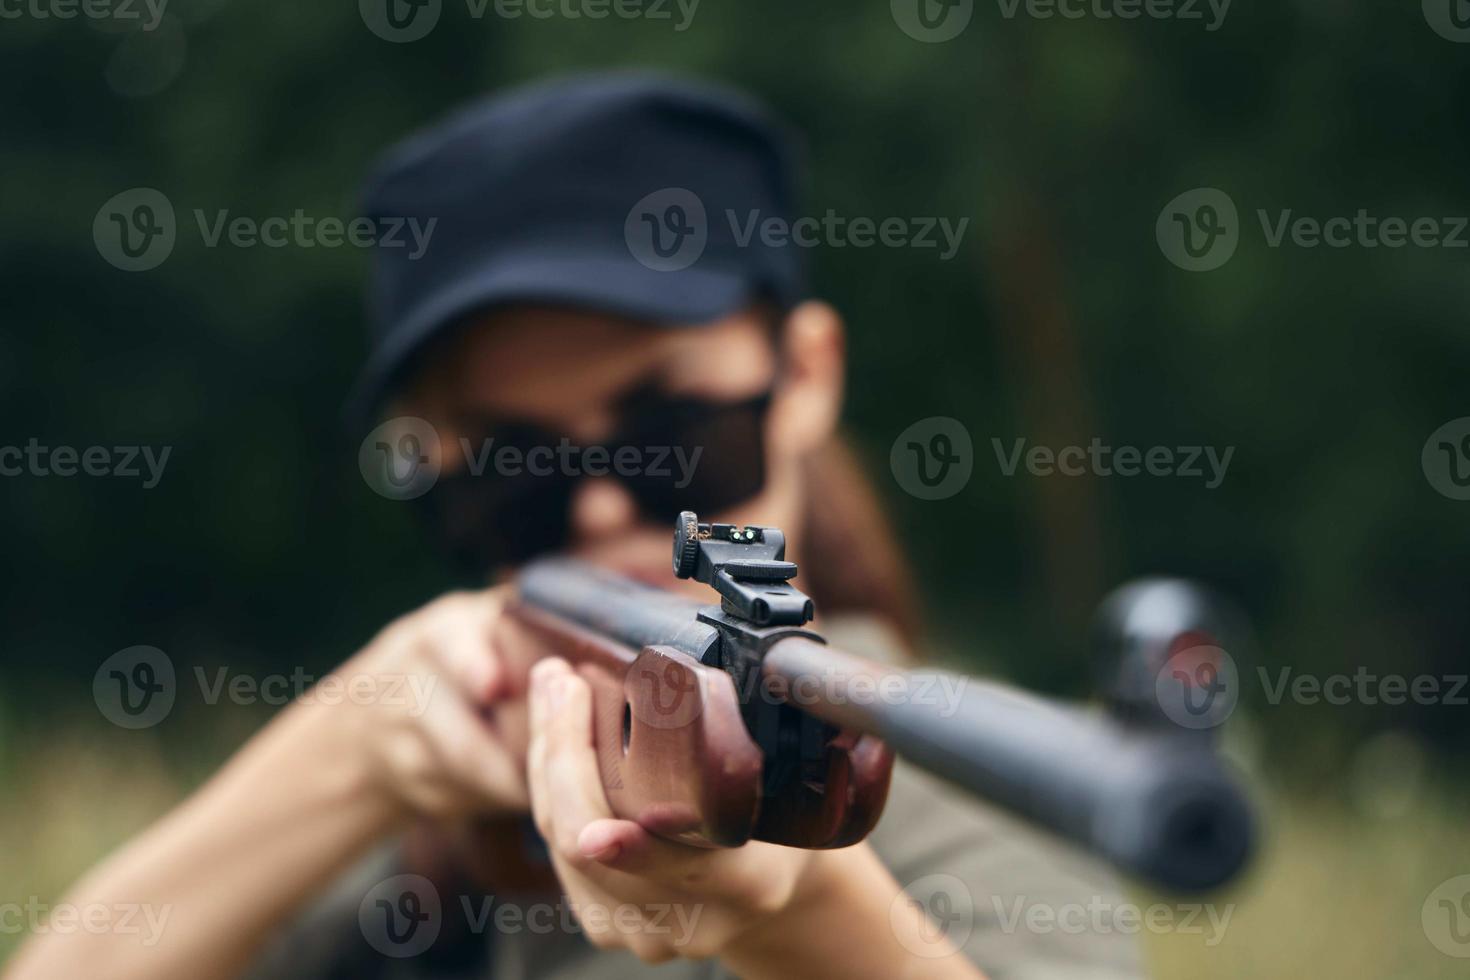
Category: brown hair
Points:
column 851, row 560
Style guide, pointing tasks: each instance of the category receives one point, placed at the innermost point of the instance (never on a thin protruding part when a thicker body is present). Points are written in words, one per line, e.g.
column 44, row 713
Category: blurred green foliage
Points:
column 1326, row 368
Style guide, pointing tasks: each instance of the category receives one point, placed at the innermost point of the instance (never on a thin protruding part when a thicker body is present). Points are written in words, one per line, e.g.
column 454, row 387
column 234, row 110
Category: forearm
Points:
column 843, row 923
column 291, row 810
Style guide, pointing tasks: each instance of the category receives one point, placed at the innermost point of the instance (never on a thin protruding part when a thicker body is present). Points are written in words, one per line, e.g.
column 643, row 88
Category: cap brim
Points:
column 617, row 286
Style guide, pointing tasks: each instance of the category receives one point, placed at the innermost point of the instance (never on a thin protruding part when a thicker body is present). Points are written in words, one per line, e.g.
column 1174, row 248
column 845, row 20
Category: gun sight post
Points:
column 746, row 565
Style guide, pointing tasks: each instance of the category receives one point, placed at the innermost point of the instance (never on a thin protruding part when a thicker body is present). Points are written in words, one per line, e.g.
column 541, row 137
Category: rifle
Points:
column 719, row 724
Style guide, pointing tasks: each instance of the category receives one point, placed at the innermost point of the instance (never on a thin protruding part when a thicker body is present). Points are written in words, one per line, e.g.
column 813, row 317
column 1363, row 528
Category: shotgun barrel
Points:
column 1155, row 803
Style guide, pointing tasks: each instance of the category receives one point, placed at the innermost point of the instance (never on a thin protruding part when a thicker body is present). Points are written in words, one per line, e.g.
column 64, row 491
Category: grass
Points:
column 1335, row 892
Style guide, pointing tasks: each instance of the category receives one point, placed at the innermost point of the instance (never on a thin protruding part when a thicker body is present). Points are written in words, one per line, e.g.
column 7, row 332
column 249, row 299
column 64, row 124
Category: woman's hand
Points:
column 427, row 719
column 764, row 910
column 443, row 722
column 692, row 901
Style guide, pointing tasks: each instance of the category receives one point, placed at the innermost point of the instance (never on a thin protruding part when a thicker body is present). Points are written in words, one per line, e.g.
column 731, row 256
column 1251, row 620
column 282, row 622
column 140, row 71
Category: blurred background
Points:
column 1059, row 320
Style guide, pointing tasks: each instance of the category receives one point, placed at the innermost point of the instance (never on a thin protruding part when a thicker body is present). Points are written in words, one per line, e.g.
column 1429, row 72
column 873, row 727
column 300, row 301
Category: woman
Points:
column 545, row 313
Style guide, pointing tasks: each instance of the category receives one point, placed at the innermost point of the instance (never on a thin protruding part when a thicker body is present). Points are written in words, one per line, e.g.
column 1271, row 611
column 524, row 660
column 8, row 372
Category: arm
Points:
column 851, row 920
column 308, row 795
column 220, row 871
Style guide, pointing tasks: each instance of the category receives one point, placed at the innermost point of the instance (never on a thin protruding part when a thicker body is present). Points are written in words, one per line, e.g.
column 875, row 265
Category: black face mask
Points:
column 672, row 454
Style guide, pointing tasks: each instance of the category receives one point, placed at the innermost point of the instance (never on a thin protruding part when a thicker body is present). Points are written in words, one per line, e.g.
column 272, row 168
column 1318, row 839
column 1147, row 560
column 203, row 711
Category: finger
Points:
column 563, row 718
column 575, row 818
column 472, row 753
column 624, row 846
column 608, row 842
column 620, row 848
column 518, row 648
column 537, row 771
column 459, row 638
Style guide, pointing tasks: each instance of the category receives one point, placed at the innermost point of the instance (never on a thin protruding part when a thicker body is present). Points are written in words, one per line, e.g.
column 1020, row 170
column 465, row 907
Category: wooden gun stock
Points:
column 677, row 757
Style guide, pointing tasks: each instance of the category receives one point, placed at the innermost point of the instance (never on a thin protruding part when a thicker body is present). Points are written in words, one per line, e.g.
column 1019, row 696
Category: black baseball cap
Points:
column 629, row 193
